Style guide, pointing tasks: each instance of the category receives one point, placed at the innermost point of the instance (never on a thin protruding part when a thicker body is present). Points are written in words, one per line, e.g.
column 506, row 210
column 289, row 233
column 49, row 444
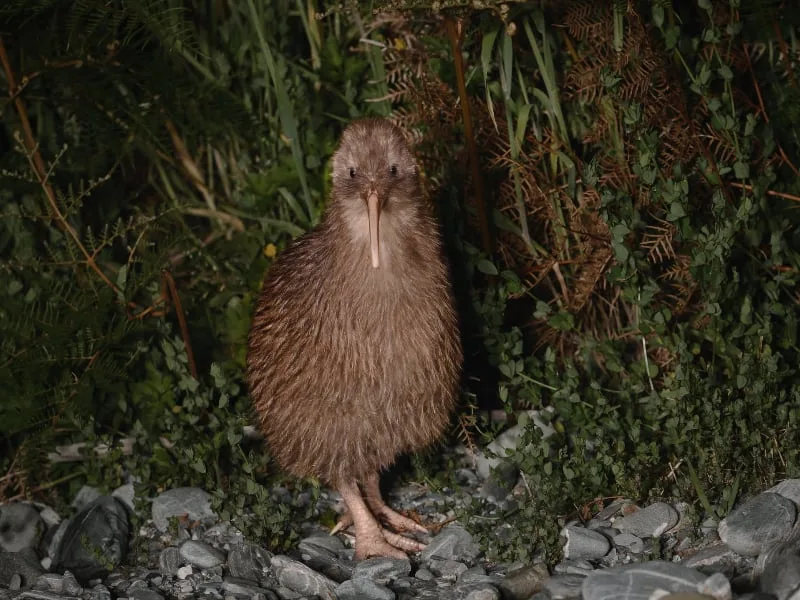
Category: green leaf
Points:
column 487, row 267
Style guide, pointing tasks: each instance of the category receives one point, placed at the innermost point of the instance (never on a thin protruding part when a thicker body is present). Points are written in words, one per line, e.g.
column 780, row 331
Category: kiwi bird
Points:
column 354, row 353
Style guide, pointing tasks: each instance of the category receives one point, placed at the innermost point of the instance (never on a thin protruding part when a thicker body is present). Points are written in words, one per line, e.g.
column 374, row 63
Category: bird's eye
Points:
column 352, row 172
column 393, row 169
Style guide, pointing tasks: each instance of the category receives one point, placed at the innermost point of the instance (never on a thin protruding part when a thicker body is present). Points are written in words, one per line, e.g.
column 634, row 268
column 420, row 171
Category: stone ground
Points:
column 753, row 554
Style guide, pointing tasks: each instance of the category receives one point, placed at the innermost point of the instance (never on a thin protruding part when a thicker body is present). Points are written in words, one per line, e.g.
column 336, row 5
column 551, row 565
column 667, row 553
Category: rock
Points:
column 584, row 543
column 144, row 594
column 323, row 554
column 788, row 488
column 169, row 561
column 522, row 583
column 20, row 527
column 85, row 496
column 201, row 554
column 190, row 502
column 449, row 570
column 24, row 564
column 382, row 570
column 563, row 587
column 248, row 561
column 629, row 542
column 639, row 581
column 781, row 577
column 299, row 578
column 363, row 589
column 100, row 592
column 574, row 567
column 50, row 582
column 126, row 494
column 758, row 523
column 651, row 521
column 223, row 535
column 475, row 574
column 717, row 586
column 96, row 539
column 715, row 558
column 452, row 543
column 498, row 474
column 15, row 583
column 476, row 591
column 242, row 587
column 70, row 585
column 424, row 574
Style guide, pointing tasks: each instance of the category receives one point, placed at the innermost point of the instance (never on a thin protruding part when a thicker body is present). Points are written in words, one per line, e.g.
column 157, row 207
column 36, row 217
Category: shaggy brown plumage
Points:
column 354, row 354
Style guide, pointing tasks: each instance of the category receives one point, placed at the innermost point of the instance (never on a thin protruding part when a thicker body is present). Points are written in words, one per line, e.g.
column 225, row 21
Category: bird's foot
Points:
column 394, row 519
column 344, row 523
column 380, row 542
column 390, row 517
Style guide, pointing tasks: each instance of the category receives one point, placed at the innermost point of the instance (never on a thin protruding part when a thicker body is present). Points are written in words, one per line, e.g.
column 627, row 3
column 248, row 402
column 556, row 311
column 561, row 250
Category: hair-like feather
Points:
column 351, row 365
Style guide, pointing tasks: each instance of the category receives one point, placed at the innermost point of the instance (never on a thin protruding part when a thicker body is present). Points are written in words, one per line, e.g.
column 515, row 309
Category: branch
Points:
column 37, row 164
column 455, row 34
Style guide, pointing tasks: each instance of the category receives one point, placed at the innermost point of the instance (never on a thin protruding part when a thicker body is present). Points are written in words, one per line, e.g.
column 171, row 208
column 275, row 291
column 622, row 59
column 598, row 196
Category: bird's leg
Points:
column 398, row 522
column 371, row 539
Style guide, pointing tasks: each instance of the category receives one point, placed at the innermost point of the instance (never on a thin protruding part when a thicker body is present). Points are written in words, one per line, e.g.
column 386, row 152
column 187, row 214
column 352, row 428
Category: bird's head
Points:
column 375, row 180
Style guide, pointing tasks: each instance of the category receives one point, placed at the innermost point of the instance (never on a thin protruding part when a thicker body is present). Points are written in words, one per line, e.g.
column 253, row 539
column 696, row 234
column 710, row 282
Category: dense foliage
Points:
column 625, row 247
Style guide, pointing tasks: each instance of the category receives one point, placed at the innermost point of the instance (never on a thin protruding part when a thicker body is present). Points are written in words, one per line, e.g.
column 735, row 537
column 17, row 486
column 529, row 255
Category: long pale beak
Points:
column 373, row 210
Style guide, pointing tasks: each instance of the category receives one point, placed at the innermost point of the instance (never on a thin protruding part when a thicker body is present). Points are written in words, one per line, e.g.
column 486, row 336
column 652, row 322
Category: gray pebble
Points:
column 24, row 563
column 201, row 554
column 169, row 561
column 644, row 578
column 145, row 594
column 449, row 570
column 363, row 589
column 521, row 583
column 714, row 558
column 96, row 539
column 781, row 577
column 758, row 523
column 299, row 578
column 651, row 521
column 100, row 592
column 191, row 502
column 717, row 586
column 125, row 494
column 629, row 542
column 452, row 543
column 15, row 582
column 248, row 561
column 50, row 582
column 584, row 543
column 563, row 587
column 477, row 591
column 382, row 570
column 20, row 527
column 574, row 567
column 242, row 587
column 475, row 574
column 325, row 555
column 70, row 585
column 424, row 574
column 85, row 496
column 788, row 488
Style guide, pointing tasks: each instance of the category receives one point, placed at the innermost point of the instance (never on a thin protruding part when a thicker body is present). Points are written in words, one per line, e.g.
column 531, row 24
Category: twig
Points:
column 37, row 164
column 763, row 111
column 173, row 292
column 73, row 452
column 455, row 33
column 749, row 188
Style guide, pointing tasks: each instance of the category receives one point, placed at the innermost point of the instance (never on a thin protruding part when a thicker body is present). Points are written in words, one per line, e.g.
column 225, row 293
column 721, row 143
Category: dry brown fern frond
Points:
column 658, row 241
